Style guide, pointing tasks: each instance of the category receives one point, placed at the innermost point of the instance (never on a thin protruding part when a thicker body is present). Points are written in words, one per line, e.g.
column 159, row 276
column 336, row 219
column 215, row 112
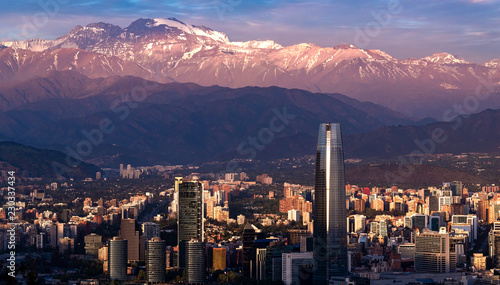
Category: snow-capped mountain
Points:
column 169, row 50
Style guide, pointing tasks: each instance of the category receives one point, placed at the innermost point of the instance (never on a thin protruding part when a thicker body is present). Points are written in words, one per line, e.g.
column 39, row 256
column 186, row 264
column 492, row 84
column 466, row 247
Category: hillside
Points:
column 44, row 163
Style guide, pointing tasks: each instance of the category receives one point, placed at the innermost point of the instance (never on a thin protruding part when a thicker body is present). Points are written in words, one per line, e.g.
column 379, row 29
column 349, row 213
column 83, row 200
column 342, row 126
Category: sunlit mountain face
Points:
column 169, row 50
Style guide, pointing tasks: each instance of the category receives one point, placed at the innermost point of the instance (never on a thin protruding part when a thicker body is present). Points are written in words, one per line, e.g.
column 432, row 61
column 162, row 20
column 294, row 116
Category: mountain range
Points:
column 174, row 122
column 161, row 91
column 182, row 123
column 169, row 50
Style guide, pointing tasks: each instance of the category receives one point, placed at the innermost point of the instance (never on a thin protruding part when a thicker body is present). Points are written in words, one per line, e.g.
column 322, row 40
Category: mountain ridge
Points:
column 168, row 50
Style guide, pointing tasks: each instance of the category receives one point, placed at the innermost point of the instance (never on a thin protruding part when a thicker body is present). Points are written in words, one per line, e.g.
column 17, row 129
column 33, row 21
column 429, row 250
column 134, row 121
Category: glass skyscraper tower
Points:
column 329, row 209
column 191, row 213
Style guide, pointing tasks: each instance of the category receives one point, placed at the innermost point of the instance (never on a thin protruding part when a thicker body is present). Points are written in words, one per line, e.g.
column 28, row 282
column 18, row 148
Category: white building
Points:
column 294, row 215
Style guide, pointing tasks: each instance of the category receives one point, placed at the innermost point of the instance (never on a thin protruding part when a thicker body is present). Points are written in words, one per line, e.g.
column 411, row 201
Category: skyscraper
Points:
column 195, row 262
column 191, row 212
column 117, row 259
column 156, row 260
column 248, row 250
column 330, row 220
column 131, row 231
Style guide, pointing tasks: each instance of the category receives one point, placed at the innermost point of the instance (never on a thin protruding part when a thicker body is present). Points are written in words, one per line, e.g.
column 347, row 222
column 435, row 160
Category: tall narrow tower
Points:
column 191, row 211
column 330, row 221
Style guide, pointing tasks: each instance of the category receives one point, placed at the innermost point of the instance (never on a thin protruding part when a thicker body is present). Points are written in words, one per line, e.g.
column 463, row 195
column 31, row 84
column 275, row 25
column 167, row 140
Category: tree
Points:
column 142, row 275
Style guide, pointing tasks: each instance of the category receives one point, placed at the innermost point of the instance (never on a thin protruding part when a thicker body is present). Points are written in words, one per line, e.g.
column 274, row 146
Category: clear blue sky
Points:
column 467, row 28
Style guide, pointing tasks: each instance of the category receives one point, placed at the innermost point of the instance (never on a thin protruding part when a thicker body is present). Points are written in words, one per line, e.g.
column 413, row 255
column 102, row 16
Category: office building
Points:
column 195, row 262
column 92, row 244
column 434, row 253
column 330, row 220
column 248, row 237
column 117, row 259
column 136, row 244
column 156, row 262
column 190, row 223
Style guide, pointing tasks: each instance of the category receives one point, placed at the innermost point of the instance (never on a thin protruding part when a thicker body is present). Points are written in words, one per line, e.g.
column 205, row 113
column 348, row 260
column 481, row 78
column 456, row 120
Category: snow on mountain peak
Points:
column 258, row 44
column 192, row 30
column 345, row 46
column 444, row 57
column 495, row 63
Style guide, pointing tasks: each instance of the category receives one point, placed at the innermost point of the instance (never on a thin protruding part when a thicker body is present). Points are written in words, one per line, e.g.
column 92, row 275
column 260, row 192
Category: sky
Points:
column 402, row 28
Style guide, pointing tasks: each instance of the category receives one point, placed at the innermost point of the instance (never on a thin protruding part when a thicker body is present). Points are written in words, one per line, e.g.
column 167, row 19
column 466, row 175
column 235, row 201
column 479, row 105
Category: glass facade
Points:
column 329, row 209
column 117, row 254
column 195, row 262
column 190, row 222
column 156, row 262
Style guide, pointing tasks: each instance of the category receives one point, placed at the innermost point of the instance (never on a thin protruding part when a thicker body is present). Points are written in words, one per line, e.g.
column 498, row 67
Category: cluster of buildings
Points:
column 129, row 172
column 389, row 231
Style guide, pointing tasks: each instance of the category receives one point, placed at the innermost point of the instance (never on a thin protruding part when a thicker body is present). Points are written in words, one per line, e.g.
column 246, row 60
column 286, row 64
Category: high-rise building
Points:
column 248, row 236
column 195, row 262
column 117, row 259
column 131, row 231
column 330, row 220
column 191, row 213
column 156, row 263
column 434, row 253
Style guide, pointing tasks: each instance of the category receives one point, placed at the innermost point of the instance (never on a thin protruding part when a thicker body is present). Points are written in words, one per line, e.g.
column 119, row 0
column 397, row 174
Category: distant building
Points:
column 294, row 215
column 240, row 219
column 478, row 260
column 66, row 245
column 150, row 230
column 264, row 179
column 356, row 224
column 218, row 258
column 295, row 236
column 434, row 252
column 457, row 188
column 92, row 244
column 292, row 265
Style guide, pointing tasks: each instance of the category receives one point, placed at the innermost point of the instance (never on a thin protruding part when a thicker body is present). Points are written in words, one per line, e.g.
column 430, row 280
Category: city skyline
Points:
column 250, row 142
